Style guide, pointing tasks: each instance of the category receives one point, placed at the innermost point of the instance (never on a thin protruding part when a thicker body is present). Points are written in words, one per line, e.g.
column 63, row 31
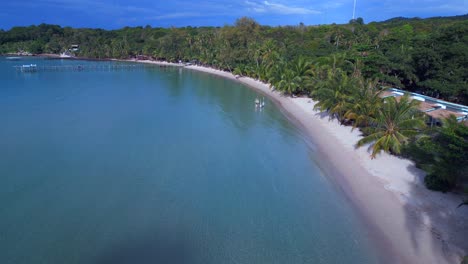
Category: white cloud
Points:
column 278, row 8
column 425, row 6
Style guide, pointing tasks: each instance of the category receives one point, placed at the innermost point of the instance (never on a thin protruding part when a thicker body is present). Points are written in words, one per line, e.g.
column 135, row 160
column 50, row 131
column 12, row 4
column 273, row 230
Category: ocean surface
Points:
column 160, row 165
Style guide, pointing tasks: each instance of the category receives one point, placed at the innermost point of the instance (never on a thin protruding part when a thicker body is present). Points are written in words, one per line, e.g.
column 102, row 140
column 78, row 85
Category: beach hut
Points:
column 437, row 115
column 436, row 109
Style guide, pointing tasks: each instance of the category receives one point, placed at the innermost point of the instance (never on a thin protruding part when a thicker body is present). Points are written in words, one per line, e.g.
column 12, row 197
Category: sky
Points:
column 113, row 14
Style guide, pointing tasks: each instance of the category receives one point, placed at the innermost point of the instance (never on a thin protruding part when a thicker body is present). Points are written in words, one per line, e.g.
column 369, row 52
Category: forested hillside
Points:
column 429, row 56
column 342, row 67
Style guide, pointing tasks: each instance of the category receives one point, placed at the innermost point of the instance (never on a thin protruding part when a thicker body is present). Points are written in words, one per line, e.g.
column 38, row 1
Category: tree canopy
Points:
column 342, row 67
column 429, row 56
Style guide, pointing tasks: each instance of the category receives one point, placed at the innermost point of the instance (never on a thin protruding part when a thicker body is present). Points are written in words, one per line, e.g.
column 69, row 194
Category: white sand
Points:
column 161, row 63
column 412, row 224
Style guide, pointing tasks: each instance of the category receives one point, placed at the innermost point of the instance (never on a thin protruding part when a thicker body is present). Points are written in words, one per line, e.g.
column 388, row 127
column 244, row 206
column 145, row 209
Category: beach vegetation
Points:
column 365, row 103
column 334, row 92
column 443, row 153
column 395, row 123
column 342, row 67
column 428, row 56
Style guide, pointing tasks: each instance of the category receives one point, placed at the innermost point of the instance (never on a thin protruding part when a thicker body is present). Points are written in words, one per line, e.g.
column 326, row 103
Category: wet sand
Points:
column 410, row 223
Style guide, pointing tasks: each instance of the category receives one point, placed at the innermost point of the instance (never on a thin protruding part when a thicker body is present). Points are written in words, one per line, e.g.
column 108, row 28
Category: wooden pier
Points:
column 84, row 67
column 26, row 68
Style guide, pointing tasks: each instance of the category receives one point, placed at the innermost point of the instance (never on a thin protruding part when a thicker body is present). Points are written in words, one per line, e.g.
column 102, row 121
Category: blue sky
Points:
column 111, row 14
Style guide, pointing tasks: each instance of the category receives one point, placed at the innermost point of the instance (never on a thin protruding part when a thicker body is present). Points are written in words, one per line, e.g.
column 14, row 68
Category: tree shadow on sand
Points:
column 434, row 221
column 428, row 226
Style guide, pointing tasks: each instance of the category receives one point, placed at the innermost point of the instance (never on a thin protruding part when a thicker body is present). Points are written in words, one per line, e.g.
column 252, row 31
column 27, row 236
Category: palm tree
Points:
column 366, row 102
column 300, row 69
column 334, row 93
column 337, row 35
column 394, row 124
column 300, row 66
column 289, row 77
column 289, row 82
column 269, row 52
column 275, row 71
column 241, row 70
column 336, row 60
column 260, row 72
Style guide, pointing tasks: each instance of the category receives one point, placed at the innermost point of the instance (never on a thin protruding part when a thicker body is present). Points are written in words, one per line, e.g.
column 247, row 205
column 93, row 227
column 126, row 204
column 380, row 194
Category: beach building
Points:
column 434, row 108
column 74, row 47
column 66, row 54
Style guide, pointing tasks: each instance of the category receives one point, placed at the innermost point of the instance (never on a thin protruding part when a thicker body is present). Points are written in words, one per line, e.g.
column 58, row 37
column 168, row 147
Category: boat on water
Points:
column 259, row 103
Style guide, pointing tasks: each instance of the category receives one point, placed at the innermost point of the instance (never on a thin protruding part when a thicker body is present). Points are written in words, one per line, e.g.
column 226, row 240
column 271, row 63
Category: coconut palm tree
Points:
column 289, row 77
column 269, row 52
column 394, row 124
column 275, row 72
column 334, row 93
column 366, row 102
column 336, row 61
column 300, row 66
column 260, row 72
column 289, row 82
column 299, row 74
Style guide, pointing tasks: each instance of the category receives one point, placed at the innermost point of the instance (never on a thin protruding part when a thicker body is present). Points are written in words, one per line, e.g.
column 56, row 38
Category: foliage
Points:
column 443, row 154
column 465, row 260
column 338, row 65
column 333, row 93
column 365, row 103
column 395, row 123
column 425, row 55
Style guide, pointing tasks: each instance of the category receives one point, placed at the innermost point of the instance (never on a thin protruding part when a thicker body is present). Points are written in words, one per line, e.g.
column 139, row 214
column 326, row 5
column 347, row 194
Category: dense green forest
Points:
column 343, row 67
column 429, row 56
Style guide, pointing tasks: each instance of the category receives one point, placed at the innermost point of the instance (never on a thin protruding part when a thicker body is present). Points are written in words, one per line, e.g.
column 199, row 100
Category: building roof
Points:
column 443, row 113
column 386, row 94
column 425, row 106
column 432, row 107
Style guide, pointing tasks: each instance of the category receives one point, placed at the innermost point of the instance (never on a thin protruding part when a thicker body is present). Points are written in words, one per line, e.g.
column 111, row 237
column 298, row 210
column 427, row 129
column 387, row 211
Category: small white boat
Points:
column 257, row 102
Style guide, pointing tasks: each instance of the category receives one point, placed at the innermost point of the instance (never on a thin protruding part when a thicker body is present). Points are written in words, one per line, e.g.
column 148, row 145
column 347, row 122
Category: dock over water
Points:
column 82, row 67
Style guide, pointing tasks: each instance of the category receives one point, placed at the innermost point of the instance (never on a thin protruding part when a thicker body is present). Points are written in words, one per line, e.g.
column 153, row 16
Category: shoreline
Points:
column 410, row 223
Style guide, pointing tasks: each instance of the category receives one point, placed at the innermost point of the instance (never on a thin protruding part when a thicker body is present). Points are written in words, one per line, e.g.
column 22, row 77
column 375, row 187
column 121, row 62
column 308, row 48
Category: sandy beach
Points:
column 412, row 223
column 161, row 63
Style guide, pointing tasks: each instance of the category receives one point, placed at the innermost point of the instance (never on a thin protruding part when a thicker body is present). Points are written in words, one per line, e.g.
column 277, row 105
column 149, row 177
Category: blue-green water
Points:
column 160, row 166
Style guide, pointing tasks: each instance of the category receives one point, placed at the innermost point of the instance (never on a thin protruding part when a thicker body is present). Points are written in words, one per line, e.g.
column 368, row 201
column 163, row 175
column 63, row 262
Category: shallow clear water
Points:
column 160, row 165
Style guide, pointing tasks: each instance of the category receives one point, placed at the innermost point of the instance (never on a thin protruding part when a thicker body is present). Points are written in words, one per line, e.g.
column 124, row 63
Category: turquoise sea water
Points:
column 160, row 165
